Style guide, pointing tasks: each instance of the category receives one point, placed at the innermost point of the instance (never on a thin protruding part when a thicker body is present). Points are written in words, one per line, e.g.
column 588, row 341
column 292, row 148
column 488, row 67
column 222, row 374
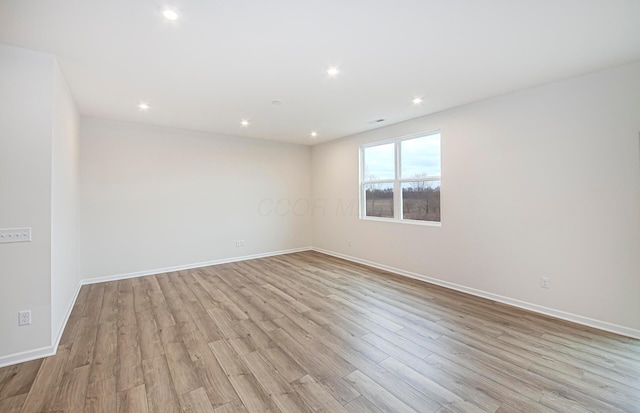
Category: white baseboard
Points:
column 601, row 325
column 51, row 350
column 116, row 277
column 66, row 316
column 27, row 356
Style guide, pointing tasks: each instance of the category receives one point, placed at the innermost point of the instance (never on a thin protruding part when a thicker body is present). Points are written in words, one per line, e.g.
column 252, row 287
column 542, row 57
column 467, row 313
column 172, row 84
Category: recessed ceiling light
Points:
column 314, row 134
column 170, row 14
column 333, row 71
column 417, row 100
column 244, row 122
column 144, row 106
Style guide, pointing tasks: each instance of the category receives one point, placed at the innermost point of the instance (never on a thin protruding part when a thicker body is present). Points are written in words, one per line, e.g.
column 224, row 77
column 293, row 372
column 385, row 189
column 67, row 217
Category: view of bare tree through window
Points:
column 421, row 200
column 408, row 168
column 379, row 200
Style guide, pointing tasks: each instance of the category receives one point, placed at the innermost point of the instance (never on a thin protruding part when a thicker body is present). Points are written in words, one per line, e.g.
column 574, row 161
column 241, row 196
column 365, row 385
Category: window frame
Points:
column 396, row 181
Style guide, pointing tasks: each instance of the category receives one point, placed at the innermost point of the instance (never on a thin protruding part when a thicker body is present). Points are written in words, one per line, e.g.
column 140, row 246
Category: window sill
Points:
column 404, row 221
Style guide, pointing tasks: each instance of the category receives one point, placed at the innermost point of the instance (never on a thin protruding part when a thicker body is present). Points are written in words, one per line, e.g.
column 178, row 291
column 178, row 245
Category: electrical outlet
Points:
column 240, row 243
column 15, row 235
column 544, row 282
column 24, row 318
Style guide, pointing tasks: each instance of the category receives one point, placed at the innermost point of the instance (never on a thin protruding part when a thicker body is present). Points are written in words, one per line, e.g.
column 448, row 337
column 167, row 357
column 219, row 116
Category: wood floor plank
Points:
column 133, row 400
column 161, row 394
column 471, row 385
column 141, row 299
column 214, row 380
column 17, row 379
column 183, row 372
column 45, row 387
column 228, row 358
column 393, row 350
column 613, row 395
column 334, row 338
column 148, row 334
column 400, row 387
column 310, row 354
column 13, row 404
column 310, row 332
column 286, row 365
column 235, row 406
column 378, row 395
column 267, row 375
column 161, row 311
column 129, row 359
column 109, row 310
column 327, row 317
column 180, row 314
column 431, row 388
column 196, row 401
column 616, row 366
column 243, row 381
column 253, row 398
column 93, row 308
column 274, row 385
column 203, row 322
column 208, row 281
column 362, row 405
column 82, row 348
column 339, row 388
column 316, row 395
column 72, row 391
column 507, row 375
column 105, row 354
column 101, row 396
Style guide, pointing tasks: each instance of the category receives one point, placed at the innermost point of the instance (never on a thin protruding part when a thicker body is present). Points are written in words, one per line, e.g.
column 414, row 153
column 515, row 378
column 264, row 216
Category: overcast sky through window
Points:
column 420, row 156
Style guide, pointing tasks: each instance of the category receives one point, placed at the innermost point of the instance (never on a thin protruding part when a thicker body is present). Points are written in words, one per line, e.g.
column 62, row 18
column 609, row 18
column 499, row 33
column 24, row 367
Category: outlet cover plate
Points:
column 15, row 235
column 544, row 282
column 24, row 318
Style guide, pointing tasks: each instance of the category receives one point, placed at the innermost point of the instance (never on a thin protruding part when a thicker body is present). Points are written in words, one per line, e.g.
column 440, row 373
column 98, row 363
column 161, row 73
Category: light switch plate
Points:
column 15, row 235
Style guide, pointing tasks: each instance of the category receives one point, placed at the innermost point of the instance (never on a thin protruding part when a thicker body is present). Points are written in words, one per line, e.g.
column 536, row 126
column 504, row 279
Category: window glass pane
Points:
column 379, row 200
column 421, row 200
column 420, row 157
column 379, row 162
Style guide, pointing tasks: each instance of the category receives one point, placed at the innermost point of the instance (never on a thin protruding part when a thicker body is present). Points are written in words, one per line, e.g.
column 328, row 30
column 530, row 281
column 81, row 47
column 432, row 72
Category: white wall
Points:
column 65, row 263
column 545, row 182
column 26, row 100
column 154, row 198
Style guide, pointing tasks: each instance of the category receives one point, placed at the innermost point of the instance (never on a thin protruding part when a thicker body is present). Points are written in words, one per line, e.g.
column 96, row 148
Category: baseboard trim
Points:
column 27, row 356
column 66, row 317
column 136, row 274
column 51, row 350
column 586, row 321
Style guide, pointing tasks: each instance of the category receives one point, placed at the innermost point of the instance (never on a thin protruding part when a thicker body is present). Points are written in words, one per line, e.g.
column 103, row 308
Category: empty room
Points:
column 340, row 206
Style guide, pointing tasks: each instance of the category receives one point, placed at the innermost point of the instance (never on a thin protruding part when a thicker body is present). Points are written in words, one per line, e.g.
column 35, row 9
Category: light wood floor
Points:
column 308, row 332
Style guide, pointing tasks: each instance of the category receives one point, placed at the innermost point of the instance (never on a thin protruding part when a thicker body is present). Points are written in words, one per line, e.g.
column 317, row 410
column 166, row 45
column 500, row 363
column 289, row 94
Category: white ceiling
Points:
column 223, row 61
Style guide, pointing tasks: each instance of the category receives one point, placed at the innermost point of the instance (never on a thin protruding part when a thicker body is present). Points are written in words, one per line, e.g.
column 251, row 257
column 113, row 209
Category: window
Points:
column 400, row 179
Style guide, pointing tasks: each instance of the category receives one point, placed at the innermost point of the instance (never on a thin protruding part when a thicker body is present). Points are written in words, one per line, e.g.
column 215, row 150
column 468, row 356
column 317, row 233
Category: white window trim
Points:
column 396, row 181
